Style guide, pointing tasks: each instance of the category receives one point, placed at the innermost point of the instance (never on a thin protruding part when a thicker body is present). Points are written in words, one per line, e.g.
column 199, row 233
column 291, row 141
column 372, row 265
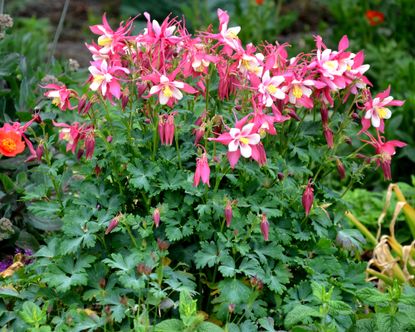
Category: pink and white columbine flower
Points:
column 377, row 110
column 168, row 90
column 104, row 78
column 300, row 92
column 240, row 141
column 60, row 95
column 384, row 151
column 111, row 41
column 270, row 89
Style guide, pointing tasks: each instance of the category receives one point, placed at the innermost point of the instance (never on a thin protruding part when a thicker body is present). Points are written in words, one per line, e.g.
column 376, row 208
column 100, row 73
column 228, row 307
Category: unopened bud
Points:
column 231, row 308
column 113, row 223
column 265, row 227
column 308, row 197
column 340, row 169
column 280, row 176
column 228, row 214
column 163, row 245
column 156, row 217
column 328, row 134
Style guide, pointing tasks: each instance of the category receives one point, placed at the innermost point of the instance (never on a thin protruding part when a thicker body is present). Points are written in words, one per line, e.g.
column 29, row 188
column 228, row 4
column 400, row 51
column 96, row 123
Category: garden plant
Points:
column 194, row 183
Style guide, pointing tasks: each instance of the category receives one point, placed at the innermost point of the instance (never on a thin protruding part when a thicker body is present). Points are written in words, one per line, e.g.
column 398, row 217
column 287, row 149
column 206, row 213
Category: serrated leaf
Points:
column 207, row 255
column 300, row 313
column 372, row 296
column 208, row 327
column 170, row 325
column 227, row 268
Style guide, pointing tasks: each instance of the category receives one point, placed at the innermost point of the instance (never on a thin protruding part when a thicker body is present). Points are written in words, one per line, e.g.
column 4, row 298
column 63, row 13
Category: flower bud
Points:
column 280, row 176
column 228, row 213
column 162, row 245
column 231, row 308
column 202, row 171
column 169, row 130
column 328, row 134
column 156, row 217
column 199, row 133
column 113, row 223
column 308, row 197
column 39, row 152
column 109, row 139
column 265, row 227
column 340, row 169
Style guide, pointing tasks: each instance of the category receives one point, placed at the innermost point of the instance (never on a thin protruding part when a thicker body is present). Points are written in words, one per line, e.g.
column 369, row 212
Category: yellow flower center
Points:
column 271, row 89
column 56, row 101
column 262, row 132
column 382, row 112
column 332, row 65
column 231, row 35
column 8, row 144
column 349, row 68
column 98, row 79
column 104, row 41
column 244, row 140
column 167, row 91
column 297, row 92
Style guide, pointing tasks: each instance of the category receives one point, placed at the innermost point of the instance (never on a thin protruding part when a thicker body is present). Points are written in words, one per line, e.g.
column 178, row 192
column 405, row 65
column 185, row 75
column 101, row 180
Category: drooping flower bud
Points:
column 228, row 213
column 202, row 171
column 308, row 197
column 199, row 133
column 328, row 134
column 161, row 129
column 265, row 227
column 280, row 176
column 39, row 152
column 340, row 169
column 113, row 223
column 156, row 217
column 169, row 130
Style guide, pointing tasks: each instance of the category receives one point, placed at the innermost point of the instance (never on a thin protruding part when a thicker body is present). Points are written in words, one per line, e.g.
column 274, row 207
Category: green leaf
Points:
column 372, row 296
column 300, row 313
column 32, row 314
column 207, row 255
column 208, row 327
column 227, row 267
column 4, row 291
column 170, row 325
column 8, row 184
column 142, row 175
column 337, row 307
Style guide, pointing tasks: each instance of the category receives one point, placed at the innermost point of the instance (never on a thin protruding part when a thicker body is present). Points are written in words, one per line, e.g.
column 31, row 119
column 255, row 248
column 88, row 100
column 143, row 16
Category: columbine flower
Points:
column 168, row 90
column 308, row 197
column 229, row 36
column 240, row 142
column 11, row 143
column 202, row 171
column 377, row 110
column 300, row 92
column 60, row 95
column 270, row 90
column 104, row 78
column 384, row 150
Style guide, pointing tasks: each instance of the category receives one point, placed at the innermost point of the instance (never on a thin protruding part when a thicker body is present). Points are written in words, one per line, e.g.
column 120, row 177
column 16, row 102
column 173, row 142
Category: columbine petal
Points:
column 233, row 145
column 246, row 150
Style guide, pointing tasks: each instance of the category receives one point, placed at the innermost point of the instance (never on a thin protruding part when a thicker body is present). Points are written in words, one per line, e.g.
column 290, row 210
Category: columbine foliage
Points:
column 142, row 242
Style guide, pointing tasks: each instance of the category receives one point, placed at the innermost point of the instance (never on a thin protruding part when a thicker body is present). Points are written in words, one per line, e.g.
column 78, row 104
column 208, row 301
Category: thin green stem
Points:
column 58, row 31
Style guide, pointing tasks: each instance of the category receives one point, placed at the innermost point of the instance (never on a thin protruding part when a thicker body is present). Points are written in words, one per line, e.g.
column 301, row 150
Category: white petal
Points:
column 277, row 80
column 388, row 113
column 279, row 94
column 94, row 85
column 163, row 98
column 368, row 114
column 246, row 150
column 177, row 84
column 254, row 139
column 233, row 145
column 176, row 93
column 234, row 30
column 246, row 130
column 164, row 79
column 375, row 121
column 234, row 132
column 154, row 89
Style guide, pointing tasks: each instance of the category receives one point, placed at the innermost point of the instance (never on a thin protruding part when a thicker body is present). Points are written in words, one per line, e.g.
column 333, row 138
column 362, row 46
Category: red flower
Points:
column 374, row 17
column 11, row 143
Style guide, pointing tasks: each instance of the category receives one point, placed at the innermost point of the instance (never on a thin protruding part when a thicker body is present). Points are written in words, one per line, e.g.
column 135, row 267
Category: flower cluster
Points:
column 164, row 65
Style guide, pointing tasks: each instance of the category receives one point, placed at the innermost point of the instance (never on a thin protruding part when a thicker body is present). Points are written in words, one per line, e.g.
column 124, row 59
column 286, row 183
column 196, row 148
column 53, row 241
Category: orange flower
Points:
column 374, row 17
column 11, row 143
column 259, row 2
